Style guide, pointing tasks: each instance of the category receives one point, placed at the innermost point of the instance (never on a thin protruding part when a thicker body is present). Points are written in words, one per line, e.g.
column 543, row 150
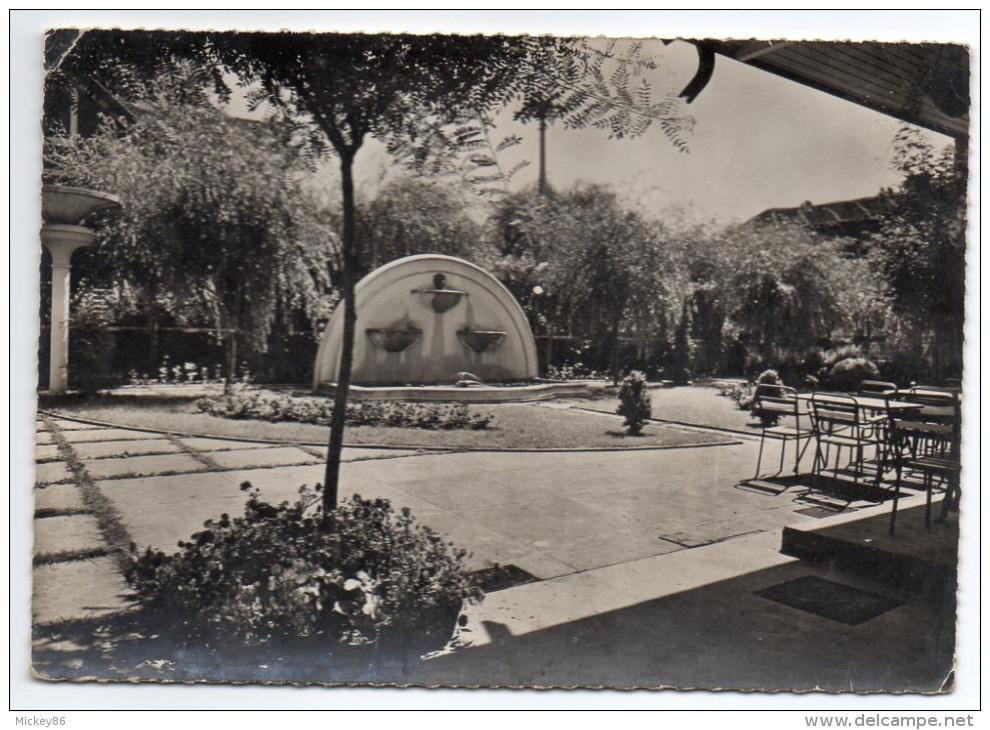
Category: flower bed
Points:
column 362, row 574
column 267, row 406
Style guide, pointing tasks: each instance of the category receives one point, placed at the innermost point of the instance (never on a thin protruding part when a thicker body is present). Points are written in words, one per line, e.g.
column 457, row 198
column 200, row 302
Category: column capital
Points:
column 61, row 240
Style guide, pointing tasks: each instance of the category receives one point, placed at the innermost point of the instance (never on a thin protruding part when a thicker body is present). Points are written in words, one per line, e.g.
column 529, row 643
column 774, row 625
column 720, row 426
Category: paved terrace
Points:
column 604, row 533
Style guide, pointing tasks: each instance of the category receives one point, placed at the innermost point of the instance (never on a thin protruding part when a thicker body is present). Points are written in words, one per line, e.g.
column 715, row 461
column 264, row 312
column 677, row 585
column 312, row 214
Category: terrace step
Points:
column 919, row 559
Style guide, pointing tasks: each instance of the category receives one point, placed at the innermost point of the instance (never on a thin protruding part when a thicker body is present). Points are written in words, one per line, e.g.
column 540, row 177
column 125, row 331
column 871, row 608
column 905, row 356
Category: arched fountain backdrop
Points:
column 424, row 319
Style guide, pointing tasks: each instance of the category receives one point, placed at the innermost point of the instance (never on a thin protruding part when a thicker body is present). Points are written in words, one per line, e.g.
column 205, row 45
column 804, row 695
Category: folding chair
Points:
column 926, row 443
column 876, row 387
column 779, row 408
column 838, row 422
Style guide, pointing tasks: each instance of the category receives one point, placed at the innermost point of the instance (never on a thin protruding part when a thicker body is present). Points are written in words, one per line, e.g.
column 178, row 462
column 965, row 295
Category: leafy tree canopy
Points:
column 213, row 218
column 920, row 249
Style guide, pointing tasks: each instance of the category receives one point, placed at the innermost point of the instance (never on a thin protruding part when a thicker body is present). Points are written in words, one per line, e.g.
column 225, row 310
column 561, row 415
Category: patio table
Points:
column 874, row 412
column 866, row 402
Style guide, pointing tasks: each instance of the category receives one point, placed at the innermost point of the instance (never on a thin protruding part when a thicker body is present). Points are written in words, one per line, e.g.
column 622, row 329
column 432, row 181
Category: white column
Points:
column 61, row 241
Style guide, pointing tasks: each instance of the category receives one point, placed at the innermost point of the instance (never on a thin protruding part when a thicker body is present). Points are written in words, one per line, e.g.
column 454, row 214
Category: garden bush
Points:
column 769, row 377
column 678, row 368
column 91, row 353
column 634, row 402
column 363, row 575
column 267, row 406
column 744, row 394
column 847, row 374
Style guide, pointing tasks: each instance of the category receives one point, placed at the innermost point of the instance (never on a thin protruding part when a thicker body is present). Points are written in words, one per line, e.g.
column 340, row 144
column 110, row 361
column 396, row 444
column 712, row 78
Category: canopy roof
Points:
column 926, row 84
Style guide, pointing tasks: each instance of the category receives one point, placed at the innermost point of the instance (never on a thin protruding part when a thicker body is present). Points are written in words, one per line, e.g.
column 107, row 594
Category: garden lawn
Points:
column 516, row 426
column 701, row 405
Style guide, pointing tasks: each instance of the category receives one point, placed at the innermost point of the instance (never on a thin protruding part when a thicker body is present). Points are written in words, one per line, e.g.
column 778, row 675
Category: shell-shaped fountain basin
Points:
column 62, row 205
column 393, row 339
column 481, row 340
column 443, row 299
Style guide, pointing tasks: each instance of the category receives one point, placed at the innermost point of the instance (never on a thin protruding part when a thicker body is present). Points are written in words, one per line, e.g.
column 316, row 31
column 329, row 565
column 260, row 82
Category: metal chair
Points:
column 876, row 387
column 926, row 443
column 774, row 403
column 838, row 422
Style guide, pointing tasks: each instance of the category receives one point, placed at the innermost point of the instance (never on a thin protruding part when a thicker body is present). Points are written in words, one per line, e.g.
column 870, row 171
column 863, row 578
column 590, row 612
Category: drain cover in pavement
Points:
column 830, row 600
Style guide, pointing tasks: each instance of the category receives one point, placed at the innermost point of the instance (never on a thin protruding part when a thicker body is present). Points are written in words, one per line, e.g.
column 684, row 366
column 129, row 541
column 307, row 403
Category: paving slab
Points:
column 279, row 456
column 105, row 434
column 551, row 523
column 708, row 532
column 79, row 589
column 209, row 444
column 159, row 511
column 610, row 552
column 66, row 533
column 137, row 465
column 283, row 483
column 44, row 437
column 64, row 497
column 52, row 473
column 110, row 449
column 280, row 483
column 46, row 452
column 488, row 547
column 40, row 426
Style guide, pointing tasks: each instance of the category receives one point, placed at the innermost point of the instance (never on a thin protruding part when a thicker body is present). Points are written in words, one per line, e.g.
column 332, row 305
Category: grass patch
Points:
column 700, row 405
column 108, row 519
column 202, row 457
column 60, row 512
column 517, row 426
column 69, row 556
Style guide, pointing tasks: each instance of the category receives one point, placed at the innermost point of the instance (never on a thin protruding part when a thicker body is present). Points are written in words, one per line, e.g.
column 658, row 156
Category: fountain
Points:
column 423, row 321
column 63, row 209
column 440, row 297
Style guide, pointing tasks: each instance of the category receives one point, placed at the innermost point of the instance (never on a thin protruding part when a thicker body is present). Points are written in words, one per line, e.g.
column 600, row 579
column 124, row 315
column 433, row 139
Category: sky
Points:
column 759, row 141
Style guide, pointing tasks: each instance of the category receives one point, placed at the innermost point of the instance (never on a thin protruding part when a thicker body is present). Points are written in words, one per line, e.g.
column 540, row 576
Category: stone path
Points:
column 550, row 514
column 83, row 517
column 656, row 557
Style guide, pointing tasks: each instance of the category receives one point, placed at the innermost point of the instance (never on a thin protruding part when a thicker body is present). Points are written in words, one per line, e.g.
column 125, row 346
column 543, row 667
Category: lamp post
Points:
column 62, row 209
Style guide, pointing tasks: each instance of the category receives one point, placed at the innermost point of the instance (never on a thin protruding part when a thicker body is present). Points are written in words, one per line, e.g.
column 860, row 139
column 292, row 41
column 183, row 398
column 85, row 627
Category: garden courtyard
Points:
column 472, row 421
column 651, row 557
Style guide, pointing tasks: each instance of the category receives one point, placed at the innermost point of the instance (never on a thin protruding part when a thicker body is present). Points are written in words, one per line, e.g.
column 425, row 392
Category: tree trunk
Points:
column 153, row 359
column 616, row 320
column 230, row 337
column 336, row 444
column 543, row 155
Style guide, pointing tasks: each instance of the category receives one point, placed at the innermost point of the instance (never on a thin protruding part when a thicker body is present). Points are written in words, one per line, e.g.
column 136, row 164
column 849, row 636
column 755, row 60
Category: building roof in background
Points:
column 926, row 84
column 844, row 217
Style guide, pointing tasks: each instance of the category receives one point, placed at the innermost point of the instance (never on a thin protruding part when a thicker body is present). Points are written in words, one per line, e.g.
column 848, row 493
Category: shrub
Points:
column 847, row 374
column 741, row 393
column 91, row 353
column 769, row 377
column 744, row 394
column 679, row 365
column 634, row 402
column 284, row 572
column 267, row 406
